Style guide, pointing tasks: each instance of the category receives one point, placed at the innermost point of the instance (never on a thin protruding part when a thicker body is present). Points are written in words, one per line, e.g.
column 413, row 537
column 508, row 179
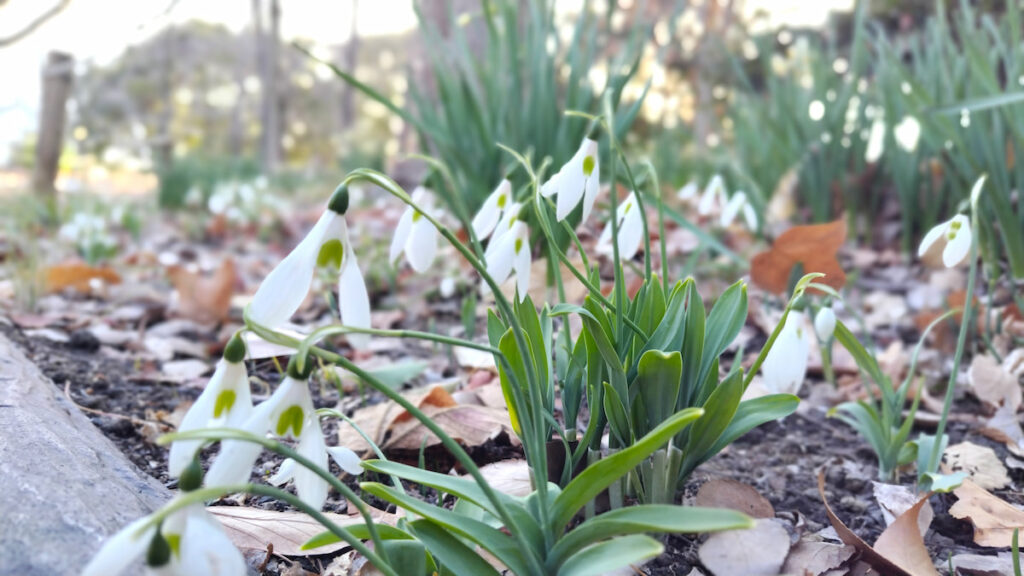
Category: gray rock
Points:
column 64, row 488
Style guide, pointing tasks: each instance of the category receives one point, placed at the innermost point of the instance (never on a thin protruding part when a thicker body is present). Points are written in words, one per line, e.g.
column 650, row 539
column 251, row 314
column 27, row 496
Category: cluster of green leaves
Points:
column 509, row 91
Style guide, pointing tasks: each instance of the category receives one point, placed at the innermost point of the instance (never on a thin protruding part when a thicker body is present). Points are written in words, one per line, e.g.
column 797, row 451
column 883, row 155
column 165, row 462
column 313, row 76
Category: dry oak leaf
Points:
column 205, row 299
column 899, row 551
column 728, row 493
column 813, row 247
column 980, row 462
column 816, row 558
column 992, row 384
column 993, row 518
column 255, row 528
column 78, row 276
column 758, row 551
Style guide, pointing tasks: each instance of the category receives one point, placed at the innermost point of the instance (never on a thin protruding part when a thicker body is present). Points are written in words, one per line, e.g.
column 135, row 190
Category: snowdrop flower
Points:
column 689, row 191
column 346, row 459
column 714, row 194
column 189, row 542
column 226, row 402
column 738, row 203
column 415, row 235
column 907, row 133
column 508, row 252
column 876, row 141
column 577, row 179
column 327, row 244
column 288, row 413
column 825, row 323
column 955, row 234
column 493, row 209
column 786, row 364
column 630, row 227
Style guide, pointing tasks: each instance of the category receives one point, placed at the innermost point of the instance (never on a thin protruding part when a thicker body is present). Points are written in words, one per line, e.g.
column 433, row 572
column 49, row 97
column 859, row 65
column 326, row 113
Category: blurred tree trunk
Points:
column 267, row 55
column 57, row 75
column 163, row 144
column 349, row 62
column 709, row 61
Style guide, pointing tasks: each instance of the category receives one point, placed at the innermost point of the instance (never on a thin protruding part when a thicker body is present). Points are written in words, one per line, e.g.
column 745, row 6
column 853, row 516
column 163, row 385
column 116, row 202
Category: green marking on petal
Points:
column 174, row 541
column 502, row 200
column 627, row 208
column 519, row 245
column 225, row 400
column 331, row 252
column 955, row 225
column 290, row 418
column 588, row 166
column 416, row 216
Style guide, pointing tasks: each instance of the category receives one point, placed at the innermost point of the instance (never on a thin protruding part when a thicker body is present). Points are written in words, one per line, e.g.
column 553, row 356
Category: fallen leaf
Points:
column 475, row 359
column 993, row 385
column 255, row 528
column 509, row 476
column 903, row 547
column 895, row 500
column 184, row 370
column 1004, row 427
column 728, row 493
column 758, row 551
column 78, row 276
column 204, row 298
column 883, row 309
column 978, row 565
column 815, row 557
column 993, row 518
column 814, row 247
column 980, row 462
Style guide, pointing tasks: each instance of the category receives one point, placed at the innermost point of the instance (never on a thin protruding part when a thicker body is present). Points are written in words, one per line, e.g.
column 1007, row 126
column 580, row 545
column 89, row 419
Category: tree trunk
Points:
column 271, row 96
column 57, row 75
column 349, row 63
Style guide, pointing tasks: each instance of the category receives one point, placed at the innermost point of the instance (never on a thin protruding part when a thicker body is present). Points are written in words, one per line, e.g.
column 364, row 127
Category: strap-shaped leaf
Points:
column 609, row 555
column 456, row 557
column 601, row 474
column 724, row 323
column 754, row 412
column 719, row 411
column 501, row 545
column 359, row 531
column 657, row 518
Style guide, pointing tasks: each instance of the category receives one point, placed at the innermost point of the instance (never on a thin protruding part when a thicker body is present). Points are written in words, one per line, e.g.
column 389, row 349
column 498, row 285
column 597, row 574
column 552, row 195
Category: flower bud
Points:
column 235, row 351
column 159, row 552
column 825, row 324
column 339, row 200
column 293, row 370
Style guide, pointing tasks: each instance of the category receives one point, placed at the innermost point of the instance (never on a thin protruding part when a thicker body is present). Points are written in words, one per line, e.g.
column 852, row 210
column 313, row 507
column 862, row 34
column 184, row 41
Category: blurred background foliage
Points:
column 701, row 87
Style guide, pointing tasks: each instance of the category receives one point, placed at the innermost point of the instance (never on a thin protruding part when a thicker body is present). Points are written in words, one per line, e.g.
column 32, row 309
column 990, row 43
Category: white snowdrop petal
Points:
column 732, row 208
column 287, row 285
column 714, row 194
column 688, row 191
column 285, row 472
column 499, row 260
column 750, row 216
column 930, row 238
column 198, row 416
column 825, row 324
column 631, row 233
column 348, row 460
column 309, row 486
column 593, row 187
column 401, row 237
column 550, row 187
column 422, row 245
column 120, row 551
column 206, row 549
column 234, row 462
column 959, row 246
column 571, row 184
column 353, row 299
column 521, row 264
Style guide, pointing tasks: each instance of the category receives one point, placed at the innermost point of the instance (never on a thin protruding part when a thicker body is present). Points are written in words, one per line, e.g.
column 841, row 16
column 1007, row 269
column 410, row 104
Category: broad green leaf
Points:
column 657, row 379
column 360, row 531
column 455, row 556
column 754, row 412
column 510, row 349
column 724, row 323
column 618, row 418
column 648, row 518
column 693, row 347
column 609, row 555
column 719, row 411
column 406, row 556
column 598, row 476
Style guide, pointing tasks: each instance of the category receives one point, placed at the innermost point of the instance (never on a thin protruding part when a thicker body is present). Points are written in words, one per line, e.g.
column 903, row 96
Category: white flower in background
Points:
column 578, row 178
column 225, row 402
column 193, row 543
column 955, row 234
column 876, row 141
column 785, row 365
column 415, row 235
column 907, row 133
column 288, row 413
column 714, row 195
column 739, row 203
column 492, row 210
column 689, row 191
column 631, row 230
column 825, row 323
column 508, row 252
column 287, row 285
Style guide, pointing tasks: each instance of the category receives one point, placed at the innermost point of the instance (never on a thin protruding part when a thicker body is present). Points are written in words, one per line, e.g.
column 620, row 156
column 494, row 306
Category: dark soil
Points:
column 781, row 459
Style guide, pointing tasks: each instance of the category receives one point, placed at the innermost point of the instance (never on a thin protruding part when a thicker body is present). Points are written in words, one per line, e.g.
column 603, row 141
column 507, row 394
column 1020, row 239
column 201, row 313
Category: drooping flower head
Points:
column 288, row 413
column 785, row 365
column 714, row 195
column 689, row 191
column 577, row 179
column 508, row 251
column 630, row 228
column 415, row 235
column 226, row 401
column 496, row 205
column 825, row 323
column 739, row 203
column 188, row 542
column 326, row 245
column 955, row 237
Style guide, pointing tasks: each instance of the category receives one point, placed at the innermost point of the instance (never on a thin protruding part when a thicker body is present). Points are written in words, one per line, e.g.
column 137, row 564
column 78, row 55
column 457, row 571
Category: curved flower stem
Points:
column 366, row 438
column 279, row 448
column 450, row 444
column 203, row 495
column 656, row 186
column 613, row 209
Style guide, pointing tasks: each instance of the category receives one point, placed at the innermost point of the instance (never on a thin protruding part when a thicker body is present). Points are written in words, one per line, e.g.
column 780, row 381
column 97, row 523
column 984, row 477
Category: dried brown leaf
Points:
column 78, row 276
column 204, row 298
column 255, row 528
column 814, row 247
column 816, row 558
column 759, row 551
column 980, row 462
column 728, row 493
column 993, row 518
column 992, row 384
